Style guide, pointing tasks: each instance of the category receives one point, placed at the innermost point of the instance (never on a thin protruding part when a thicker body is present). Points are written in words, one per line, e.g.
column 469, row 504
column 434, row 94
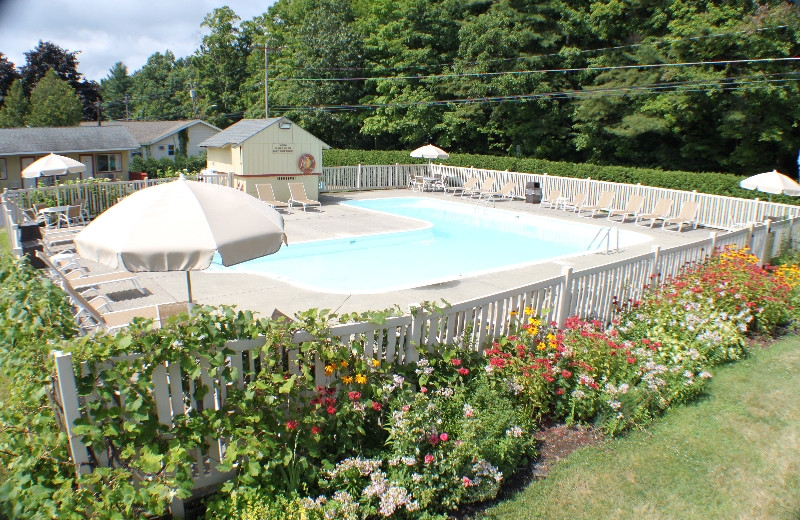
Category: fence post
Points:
column 748, row 239
column 414, row 337
column 67, row 392
column 358, row 177
column 713, row 237
column 565, row 296
column 766, row 244
column 655, row 272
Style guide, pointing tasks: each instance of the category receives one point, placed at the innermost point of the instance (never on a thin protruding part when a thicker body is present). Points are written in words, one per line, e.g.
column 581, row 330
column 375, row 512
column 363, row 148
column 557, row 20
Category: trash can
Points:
column 533, row 193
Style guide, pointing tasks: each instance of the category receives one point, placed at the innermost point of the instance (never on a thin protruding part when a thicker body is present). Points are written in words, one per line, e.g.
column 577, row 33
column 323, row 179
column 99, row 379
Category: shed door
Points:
column 88, row 160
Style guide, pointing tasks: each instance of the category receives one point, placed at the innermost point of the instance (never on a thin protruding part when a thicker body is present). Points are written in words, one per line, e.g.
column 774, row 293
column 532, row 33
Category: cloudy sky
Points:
column 108, row 31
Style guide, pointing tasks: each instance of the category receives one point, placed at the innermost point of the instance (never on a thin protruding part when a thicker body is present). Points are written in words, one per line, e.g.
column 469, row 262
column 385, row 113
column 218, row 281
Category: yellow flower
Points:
column 376, row 362
column 360, row 379
column 541, row 346
column 329, row 370
column 344, row 364
column 347, row 380
column 528, row 311
column 513, row 313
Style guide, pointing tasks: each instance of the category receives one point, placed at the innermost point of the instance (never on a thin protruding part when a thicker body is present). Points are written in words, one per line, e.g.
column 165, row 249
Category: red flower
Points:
column 566, row 374
column 466, row 481
column 428, row 458
column 463, row 371
column 560, row 391
column 291, row 425
column 316, row 401
column 330, row 390
column 316, row 430
column 434, row 439
column 424, row 390
column 631, row 360
column 354, row 395
column 456, row 362
column 376, row 406
column 331, row 410
column 443, row 437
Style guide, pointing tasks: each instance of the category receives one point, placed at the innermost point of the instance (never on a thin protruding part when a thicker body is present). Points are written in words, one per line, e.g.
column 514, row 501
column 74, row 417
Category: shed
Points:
column 159, row 139
column 273, row 150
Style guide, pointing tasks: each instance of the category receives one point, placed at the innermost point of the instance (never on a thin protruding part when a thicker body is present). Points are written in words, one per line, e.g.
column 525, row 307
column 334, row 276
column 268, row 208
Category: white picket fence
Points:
column 589, row 293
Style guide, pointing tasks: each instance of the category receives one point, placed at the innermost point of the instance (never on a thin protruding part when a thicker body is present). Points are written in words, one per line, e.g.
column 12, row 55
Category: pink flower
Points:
column 443, row 437
column 428, row 458
column 467, row 482
column 406, row 408
column 376, row 406
column 434, row 439
column 424, row 390
column 463, row 371
column 354, row 395
column 291, row 425
column 456, row 362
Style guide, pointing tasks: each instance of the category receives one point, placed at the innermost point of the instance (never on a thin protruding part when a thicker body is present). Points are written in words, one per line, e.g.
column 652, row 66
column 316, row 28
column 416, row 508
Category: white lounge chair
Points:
column 687, row 215
column 297, row 195
column 470, row 184
column 503, row 194
column 660, row 211
column 79, row 281
column 267, row 194
column 633, row 206
column 552, row 200
column 576, row 203
column 603, row 204
column 486, row 186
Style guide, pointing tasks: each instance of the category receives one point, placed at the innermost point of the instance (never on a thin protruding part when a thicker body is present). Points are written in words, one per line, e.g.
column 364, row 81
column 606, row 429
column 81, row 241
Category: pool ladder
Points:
column 604, row 234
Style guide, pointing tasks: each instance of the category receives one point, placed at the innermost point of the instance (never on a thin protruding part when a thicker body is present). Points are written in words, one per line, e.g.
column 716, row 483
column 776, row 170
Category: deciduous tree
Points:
column 54, row 103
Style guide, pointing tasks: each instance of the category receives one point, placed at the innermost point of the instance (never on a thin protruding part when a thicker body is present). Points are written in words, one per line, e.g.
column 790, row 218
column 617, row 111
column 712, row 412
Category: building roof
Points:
column 241, row 131
column 71, row 139
column 149, row 132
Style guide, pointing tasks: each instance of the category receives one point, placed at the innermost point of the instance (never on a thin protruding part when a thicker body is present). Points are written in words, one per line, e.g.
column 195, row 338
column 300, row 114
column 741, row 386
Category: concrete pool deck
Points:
column 262, row 294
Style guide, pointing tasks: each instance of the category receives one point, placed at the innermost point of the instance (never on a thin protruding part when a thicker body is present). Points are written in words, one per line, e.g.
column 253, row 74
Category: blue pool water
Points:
column 460, row 240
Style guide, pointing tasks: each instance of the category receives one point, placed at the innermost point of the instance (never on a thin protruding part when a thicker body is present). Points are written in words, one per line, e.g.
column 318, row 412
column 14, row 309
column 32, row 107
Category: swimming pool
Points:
column 457, row 241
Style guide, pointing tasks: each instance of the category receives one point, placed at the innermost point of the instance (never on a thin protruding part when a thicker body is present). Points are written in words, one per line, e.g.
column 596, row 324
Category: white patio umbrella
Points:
column 430, row 152
column 773, row 182
column 180, row 226
column 51, row 165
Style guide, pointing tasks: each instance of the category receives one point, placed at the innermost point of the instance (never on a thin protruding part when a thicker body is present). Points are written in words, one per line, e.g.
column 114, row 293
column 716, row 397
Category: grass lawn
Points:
column 733, row 454
column 5, row 245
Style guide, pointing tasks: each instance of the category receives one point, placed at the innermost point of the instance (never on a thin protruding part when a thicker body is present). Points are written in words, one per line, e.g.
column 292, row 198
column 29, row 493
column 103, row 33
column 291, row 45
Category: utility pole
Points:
column 266, row 75
column 97, row 103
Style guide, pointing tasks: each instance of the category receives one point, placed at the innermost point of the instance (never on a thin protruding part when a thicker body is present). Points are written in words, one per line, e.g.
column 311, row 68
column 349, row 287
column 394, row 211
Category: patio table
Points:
column 53, row 212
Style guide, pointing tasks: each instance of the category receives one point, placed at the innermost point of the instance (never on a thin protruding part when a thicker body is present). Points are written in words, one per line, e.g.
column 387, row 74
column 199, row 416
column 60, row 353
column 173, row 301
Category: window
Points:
column 109, row 162
column 171, row 149
column 3, row 169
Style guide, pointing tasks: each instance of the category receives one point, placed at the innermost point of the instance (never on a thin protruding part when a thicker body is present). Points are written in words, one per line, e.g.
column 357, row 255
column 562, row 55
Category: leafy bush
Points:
column 167, row 166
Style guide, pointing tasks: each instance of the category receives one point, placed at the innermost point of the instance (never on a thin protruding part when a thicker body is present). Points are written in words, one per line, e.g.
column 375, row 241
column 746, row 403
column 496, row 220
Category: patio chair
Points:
column 469, row 184
column 603, row 204
column 297, row 195
column 32, row 214
column 552, row 200
column 84, row 209
column 486, row 187
column 660, row 211
column 633, row 206
column 436, row 182
column 79, row 281
column 267, row 194
column 576, row 203
column 503, row 194
column 73, row 216
column 417, row 183
column 687, row 215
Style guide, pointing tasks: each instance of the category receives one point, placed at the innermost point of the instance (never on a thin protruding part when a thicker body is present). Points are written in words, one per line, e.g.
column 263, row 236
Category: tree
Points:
column 54, row 103
column 47, row 56
column 15, row 108
column 8, row 74
column 115, row 89
column 161, row 89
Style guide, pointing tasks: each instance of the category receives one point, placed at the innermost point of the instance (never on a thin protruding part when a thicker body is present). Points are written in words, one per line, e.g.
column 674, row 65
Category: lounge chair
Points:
column 576, row 203
column 633, row 206
column 503, row 194
column 687, row 215
column 73, row 216
column 660, row 212
column 552, row 200
column 80, row 281
column 297, row 195
column 470, row 184
column 486, row 187
column 267, row 194
column 603, row 204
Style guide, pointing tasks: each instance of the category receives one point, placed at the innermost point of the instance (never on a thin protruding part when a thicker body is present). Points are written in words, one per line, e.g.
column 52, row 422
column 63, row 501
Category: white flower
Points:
column 514, row 431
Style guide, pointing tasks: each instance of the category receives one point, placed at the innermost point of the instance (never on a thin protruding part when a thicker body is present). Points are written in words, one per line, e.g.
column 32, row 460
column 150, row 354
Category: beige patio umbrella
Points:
column 181, row 226
column 773, row 182
column 429, row 151
column 52, row 165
